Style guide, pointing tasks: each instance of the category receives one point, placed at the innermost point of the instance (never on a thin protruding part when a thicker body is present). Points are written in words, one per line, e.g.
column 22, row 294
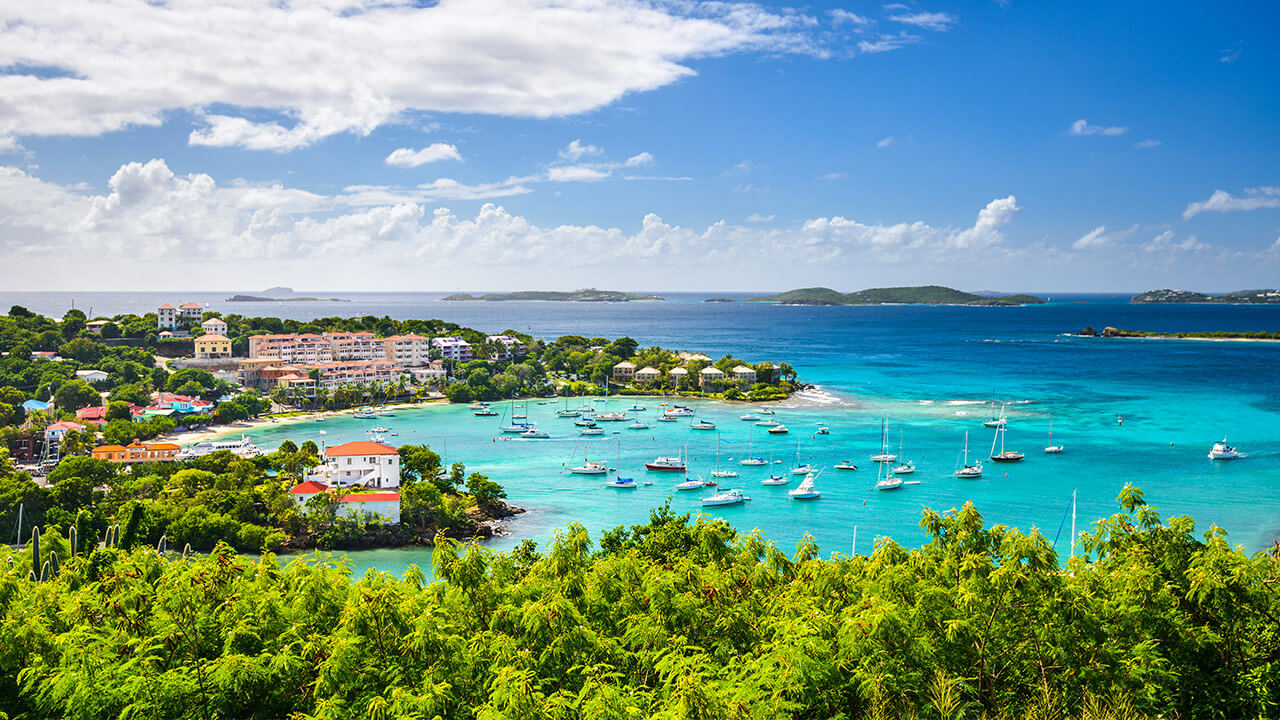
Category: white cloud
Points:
column 639, row 160
column 758, row 218
column 408, row 158
column 1259, row 198
column 741, row 168
column 939, row 21
column 576, row 173
column 1231, row 54
column 886, row 142
column 1092, row 239
column 270, row 75
column 1167, row 242
column 575, row 151
column 1148, row 143
column 1081, row 127
column 986, row 231
column 833, row 176
column 844, row 17
column 887, row 43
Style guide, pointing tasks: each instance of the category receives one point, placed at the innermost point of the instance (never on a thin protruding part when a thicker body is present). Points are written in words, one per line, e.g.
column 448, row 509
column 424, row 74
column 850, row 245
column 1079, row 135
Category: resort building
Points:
column 408, row 350
column 355, row 346
column 166, row 317
column 710, row 378
column 190, row 312
column 361, row 462
column 648, row 375
column 136, row 452
column 744, row 375
column 210, row 347
column 291, row 348
column 92, row 376
column 332, row 375
column 688, row 357
column 624, row 372
column 454, row 348
column 386, row 504
column 433, row 372
column 514, row 348
column 214, row 326
column 678, row 375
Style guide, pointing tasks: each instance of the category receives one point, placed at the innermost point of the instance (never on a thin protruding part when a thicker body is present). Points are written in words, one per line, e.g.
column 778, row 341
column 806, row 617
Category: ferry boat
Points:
column 666, row 464
column 1223, row 451
column 725, row 497
column 622, row 483
column 241, row 448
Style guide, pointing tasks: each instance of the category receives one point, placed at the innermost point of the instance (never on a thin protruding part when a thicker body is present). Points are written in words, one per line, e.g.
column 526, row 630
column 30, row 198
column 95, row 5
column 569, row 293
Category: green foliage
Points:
column 76, row 394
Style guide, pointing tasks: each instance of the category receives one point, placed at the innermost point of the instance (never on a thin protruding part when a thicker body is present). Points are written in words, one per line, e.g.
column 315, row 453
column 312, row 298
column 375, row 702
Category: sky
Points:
column 667, row 145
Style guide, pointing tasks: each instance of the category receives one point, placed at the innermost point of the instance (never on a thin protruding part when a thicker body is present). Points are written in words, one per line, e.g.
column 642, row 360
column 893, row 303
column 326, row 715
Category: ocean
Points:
column 1126, row 411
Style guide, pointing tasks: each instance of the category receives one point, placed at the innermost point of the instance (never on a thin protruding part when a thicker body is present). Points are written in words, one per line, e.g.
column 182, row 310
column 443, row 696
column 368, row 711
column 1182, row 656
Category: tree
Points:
column 229, row 412
column 418, row 462
column 76, row 394
column 118, row 410
column 485, row 491
column 110, row 331
column 19, row 311
column 623, row 347
column 95, row 472
column 190, row 389
column 131, row 394
column 310, row 448
column 204, row 378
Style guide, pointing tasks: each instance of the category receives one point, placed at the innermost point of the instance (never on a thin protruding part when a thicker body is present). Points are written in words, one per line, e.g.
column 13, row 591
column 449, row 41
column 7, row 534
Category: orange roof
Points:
column 109, row 448
column 190, row 305
column 167, row 306
column 360, row 447
column 370, row 497
column 309, row 487
column 162, row 446
column 213, row 337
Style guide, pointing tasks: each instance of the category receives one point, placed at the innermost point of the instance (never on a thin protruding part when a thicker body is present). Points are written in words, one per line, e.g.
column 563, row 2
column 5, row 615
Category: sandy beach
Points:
column 245, row 426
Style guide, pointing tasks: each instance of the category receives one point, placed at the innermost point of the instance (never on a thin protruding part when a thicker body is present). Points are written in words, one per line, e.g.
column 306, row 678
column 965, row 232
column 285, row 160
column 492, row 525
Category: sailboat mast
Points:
column 1073, row 526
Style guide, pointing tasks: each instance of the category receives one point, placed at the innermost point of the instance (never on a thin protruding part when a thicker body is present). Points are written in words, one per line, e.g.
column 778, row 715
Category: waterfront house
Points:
column 190, row 312
column 385, row 504
column 360, row 462
column 92, row 376
column 214, row 326
column 624, row 372
column 136, row 452
column 410, row 350
column 711, row 378
column 678, row 375
column 648, row 375
column 211, row 347
column 744, row 376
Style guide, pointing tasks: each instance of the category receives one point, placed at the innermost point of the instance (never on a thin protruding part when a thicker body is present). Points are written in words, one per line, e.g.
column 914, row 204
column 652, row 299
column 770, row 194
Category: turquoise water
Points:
column 921, row 367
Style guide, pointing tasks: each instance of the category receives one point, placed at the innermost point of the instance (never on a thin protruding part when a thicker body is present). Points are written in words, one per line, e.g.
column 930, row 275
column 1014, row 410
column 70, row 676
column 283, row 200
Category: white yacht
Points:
column 569, row 413
column 752, row 461
column 612, row 417
column 1223, row 451
column 485, row 412
column 535, row 434
column 666, row 418
column 776, row 480
column 242, row 448
column 679, row 411
column 590, row 467
column 1052, row 449
column 636, row 408
column 637, row 425
column 749, row 417
column 1004, row 456
column 695, row 484
column 702, row 425
column 725, row 497
column 999, row 421
column 846, row 465
column 965, row 470
column 585, row 422
column 884, row 455
column 778, row 430
column 365, row 413
column 889, row 482
column 622, row 483
column 766, row 423
column 592, row 431
column 905, row 468
column 806, row 490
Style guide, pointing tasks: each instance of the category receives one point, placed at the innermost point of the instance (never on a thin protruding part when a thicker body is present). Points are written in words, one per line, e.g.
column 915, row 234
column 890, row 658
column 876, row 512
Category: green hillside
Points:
column 919, row 295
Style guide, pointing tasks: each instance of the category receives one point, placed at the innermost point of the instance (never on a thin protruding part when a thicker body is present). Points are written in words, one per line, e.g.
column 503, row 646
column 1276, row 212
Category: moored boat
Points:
column 725, row 497
column 1223, row 451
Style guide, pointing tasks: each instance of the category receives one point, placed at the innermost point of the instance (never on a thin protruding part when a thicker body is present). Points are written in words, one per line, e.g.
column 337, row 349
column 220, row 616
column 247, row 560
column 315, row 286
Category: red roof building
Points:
column 360, row 447
column 310, row 487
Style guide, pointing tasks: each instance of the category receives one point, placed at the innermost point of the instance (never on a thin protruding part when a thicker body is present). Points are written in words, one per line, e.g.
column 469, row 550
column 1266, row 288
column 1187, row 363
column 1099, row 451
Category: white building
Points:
column 386, row 504
column 408, row 350
column 190, row 311
column 214, row 326
column 166, row 317
column 92, row 376
column 361, row 462
column 514, row 348
column 454, row 348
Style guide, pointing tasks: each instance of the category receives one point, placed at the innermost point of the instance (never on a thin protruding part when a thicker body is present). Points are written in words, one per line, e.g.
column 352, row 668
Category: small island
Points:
column 1239, row 297
column 1247, row 336
column 261, row 298
column 920, row 295
column 584, row 295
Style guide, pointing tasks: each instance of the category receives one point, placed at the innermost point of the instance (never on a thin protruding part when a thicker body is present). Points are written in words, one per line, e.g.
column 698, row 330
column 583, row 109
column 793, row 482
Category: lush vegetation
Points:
column 675, row 619
column 585, row 295
column 922, row 295
column 244, row 502
column 1212, row 335
column 1244, row 297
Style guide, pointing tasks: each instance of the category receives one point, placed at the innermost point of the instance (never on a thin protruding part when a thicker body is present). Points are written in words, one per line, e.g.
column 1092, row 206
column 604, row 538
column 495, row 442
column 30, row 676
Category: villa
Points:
column 59, row 430
column 95, row 326
column 92, row 376
column 454, row 348
column 385, row 504
column 514, row 348
column 168, row 316
column 214, row 326
column 744, row 375
column 648, row 375
column 360, row 462
column 710, row 378
column 211, row 347
column 624, row 371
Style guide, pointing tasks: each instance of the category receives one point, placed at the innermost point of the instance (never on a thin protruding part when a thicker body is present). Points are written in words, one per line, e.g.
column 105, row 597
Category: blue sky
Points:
column 489, row 144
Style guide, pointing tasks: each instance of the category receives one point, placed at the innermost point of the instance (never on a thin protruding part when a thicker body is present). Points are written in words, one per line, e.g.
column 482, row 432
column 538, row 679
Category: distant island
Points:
column 719, row 299
column 1247, row 335
column 584, row 295
column 1239, row 297
column 263, row 298
column 921, row 295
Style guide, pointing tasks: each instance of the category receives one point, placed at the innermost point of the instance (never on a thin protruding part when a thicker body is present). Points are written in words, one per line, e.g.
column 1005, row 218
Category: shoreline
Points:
column 1175, row 337
column 245, row 426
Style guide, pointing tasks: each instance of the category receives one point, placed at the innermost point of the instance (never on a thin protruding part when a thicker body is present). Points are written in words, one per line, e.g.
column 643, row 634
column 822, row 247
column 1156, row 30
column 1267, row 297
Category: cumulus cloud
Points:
column 435, row 152
column 844, row 17
column 576, row 150
column 1082, row 127
column 1258, row 198
column 1168, row 241
column 939, row 21
column 268, row 75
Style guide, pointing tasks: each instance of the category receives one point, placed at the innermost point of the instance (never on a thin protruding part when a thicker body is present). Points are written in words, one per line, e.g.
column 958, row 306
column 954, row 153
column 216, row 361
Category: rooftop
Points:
column 360, row 447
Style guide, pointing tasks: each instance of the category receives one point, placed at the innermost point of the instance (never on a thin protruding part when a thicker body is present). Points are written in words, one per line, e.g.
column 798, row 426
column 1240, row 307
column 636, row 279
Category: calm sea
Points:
column 927, row 369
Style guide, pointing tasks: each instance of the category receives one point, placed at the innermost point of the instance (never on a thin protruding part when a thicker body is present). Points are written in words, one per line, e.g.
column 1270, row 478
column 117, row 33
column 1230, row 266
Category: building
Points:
column 454, row 348
column 212, row 347
column 624, row 372
column 95, row 326
column 744, row 375
column 355, row 346
column 190, row 312
column 433, row 372
column 360, row 462
column 214, row 326
column 513, row 347
column 386, row 504
column 710, row 378
column 407, row 350
column 166, row 317
column 92, row 376
column 136, row 452
column 648, row 375
column 688, row 357
column 678, row 375
column 59, row 430
column 289, row 348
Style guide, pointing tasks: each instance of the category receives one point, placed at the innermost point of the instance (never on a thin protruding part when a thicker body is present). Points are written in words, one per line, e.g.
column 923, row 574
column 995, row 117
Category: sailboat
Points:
column 1003, row 455
column 885, row 455
column 589, row 467
column 566, row 412
column 718, row 473
column 966, row 470
column 997, row 422
column 799, row 469
column 907, row 467
column 1052, row 449
column 751, row 459
column 887, row 481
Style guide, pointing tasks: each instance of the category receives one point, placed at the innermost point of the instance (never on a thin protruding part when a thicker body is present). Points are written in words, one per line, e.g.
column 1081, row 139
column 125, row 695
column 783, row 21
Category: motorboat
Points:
column 1052, row 449
column 905, row 468
column 637, row 425
column 966, row 470
column 592, row 431
column 767, row 423
column 702, row 425
column 725, row 497
column 1223, row 451
column 778, row 430
column 749, row 417
column 535, row 434
column 365, row 413
column 776, row 480
column 386, row 412
column 591, row 467
column 666, row 418
column 765, row 411
column 752, row 461
column 622, row 483
column 823, row 430
column 636, row 408
column 485, row 412
column 679, row 411
column 695, row 484
column 806, row 490
column 846, row 465
column 612, row 417
column 666, row 464
column 378, row 429
column 241, row 448
column 1003, row 456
